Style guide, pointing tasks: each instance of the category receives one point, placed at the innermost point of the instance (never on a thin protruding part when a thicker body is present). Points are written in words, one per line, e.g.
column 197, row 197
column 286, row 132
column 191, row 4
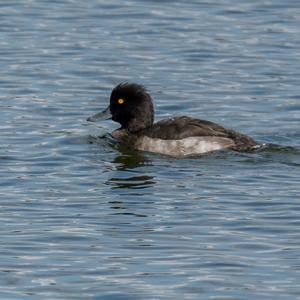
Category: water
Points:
column 82, row 219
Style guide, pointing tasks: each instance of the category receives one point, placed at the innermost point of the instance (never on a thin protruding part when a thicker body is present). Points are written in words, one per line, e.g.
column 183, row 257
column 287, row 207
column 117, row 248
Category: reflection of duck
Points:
column 131, row 106
column 130, row 159
column 133, row 182
column 127, row 161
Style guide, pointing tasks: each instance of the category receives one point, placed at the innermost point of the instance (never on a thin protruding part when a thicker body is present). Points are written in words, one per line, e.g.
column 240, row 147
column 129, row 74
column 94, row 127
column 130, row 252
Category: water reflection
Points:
column 131, row 159
column 126, row 162
column 133, row 182
column 122, row 211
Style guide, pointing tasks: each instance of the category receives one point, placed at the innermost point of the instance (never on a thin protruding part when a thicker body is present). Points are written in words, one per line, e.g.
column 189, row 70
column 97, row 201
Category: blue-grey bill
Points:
column 104, row 115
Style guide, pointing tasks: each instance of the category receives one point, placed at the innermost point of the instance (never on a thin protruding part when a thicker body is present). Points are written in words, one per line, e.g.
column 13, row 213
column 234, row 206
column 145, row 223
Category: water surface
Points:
column 83, row 219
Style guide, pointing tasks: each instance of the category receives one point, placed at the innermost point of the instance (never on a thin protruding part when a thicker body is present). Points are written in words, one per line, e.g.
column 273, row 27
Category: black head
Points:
column 131, row 106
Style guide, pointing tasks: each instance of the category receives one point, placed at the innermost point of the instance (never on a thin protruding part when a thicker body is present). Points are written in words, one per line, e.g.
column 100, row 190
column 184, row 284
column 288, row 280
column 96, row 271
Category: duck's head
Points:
column 130, row 105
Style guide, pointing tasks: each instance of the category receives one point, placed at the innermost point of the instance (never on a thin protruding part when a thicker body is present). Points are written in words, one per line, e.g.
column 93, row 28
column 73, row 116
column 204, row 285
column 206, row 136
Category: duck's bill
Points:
column 104, row 115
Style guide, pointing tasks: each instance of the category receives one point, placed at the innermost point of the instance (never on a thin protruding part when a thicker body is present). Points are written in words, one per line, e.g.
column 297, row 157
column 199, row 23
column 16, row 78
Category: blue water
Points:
column 82, row 219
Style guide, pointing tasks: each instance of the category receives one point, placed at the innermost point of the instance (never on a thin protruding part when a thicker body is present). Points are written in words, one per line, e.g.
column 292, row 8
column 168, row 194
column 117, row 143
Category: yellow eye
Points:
column 121, row 101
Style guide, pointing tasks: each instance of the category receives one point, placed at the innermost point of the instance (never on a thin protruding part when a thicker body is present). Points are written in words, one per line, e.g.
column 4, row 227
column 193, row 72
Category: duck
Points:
column 132, row 107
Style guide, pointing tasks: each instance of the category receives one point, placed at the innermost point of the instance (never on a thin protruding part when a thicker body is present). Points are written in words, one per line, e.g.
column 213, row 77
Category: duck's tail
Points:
column 243, row 143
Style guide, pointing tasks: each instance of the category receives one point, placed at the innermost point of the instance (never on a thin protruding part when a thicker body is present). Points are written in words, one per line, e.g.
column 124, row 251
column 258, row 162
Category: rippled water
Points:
column 82, row 219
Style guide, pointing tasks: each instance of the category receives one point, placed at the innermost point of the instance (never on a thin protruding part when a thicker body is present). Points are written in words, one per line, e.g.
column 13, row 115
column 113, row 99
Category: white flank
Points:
column 183, row 147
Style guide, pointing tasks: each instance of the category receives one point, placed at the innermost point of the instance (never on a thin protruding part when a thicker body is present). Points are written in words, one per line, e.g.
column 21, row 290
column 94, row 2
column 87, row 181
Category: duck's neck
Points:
column 138, row 124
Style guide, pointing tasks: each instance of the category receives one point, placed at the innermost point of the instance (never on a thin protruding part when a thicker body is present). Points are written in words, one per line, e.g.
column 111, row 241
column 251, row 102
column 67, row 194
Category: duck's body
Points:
column 132, row 107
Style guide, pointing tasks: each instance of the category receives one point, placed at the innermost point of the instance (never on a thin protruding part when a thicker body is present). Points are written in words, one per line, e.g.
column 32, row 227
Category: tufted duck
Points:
column 131, row 106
